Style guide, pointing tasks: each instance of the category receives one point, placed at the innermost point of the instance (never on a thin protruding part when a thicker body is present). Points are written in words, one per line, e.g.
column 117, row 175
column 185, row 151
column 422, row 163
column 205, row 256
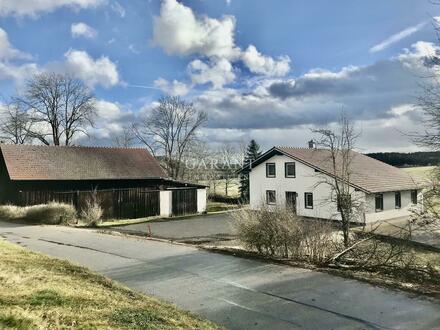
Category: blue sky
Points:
column 264, row 70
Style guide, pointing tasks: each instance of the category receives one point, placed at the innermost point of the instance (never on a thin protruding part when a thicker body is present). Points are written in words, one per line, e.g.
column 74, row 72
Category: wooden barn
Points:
column 129, row 182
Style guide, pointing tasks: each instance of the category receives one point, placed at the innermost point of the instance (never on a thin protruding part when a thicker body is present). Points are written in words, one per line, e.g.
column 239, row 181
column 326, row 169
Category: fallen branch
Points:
column 340, row 254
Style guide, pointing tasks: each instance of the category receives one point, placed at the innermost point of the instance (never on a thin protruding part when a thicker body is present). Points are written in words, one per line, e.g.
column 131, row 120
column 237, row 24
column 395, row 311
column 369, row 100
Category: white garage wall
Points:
column 201, row 200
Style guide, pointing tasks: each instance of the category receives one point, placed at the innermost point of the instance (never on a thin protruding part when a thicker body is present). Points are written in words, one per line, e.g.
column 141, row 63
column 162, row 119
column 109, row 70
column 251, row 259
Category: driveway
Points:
column 197, row 229
column 234, row 292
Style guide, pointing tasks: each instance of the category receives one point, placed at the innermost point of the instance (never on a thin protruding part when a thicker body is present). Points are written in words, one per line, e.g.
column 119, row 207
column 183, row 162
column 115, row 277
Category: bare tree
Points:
column 231, row 161
column 125, row 138
column 169, row 131
column 340, row 145
column 16, row 125
column 61, row 104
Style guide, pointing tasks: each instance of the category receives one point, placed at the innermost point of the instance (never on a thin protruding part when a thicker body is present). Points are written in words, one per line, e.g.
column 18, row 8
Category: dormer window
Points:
column 270, row 170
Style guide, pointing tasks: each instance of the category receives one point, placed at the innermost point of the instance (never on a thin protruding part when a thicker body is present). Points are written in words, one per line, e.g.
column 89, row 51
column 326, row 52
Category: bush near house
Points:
column 279, row 234
column 39, row 292
column 51, row 213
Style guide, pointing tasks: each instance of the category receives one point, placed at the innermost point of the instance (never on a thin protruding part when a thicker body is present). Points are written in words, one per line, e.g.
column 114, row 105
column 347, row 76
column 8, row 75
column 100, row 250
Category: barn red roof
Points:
column 30, row 162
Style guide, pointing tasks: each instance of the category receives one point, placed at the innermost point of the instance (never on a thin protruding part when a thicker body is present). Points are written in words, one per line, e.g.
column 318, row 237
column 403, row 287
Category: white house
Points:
column 297, row 178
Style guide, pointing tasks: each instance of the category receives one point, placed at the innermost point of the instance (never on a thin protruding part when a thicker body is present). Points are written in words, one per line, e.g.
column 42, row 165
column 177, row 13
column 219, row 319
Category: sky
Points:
column 272, row 71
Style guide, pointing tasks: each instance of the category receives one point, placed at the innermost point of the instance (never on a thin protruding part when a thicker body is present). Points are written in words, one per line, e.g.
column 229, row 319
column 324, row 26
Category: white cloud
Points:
column 83, row 30
column 132, row 48
column 178, row 31
column 378, row 97
column 7, row 51
column 117, row 8
column 10, row 70
column 112, row 118
column 219, row 74
column 174, row 88
column 262, row 64
column 34, row 7
column 18, row 73
column 101, row 71
column 397, row 37
column 108, row 110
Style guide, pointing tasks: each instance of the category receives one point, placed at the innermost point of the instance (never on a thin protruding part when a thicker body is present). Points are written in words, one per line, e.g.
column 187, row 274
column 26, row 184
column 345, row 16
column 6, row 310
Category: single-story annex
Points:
column 293, row 177
column 129, row 182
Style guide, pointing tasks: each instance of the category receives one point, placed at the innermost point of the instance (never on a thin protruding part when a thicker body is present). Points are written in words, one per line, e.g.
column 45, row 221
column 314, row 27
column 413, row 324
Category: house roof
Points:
column 30, row 162
column 367, row 174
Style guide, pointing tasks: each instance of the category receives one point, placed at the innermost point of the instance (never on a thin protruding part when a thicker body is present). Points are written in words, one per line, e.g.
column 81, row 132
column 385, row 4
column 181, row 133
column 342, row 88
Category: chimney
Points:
column 312, row 144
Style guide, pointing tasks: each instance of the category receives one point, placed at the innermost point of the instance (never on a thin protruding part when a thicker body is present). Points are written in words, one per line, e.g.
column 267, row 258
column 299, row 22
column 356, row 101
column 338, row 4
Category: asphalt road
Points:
column 234, row 292
column 197, row 229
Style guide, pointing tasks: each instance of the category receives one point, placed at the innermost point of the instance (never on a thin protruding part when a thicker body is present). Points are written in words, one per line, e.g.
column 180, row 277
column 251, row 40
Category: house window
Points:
column 270, row 170
column 397, row 200
column 271, row 197
column 379, row 202
column 414, row 196
column 308, row 200
column 289, row 170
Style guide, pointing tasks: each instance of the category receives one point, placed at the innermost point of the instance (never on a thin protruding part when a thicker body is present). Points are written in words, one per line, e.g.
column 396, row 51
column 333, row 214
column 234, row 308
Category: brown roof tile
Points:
column 366, row 173
column 29, row 162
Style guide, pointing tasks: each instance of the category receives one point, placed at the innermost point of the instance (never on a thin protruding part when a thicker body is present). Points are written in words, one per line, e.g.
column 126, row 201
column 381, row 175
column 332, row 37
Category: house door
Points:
column 291, row 201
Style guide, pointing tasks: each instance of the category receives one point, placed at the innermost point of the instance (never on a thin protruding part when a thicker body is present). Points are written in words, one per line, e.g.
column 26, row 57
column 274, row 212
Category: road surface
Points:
column 234, row 292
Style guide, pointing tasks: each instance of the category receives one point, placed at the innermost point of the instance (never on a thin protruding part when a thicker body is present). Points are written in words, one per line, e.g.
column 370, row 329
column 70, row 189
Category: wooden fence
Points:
column 184, row 201
column 116, row 203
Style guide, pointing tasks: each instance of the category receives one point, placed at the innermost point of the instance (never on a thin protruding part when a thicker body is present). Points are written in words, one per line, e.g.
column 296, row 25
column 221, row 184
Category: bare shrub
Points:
column 92, row 212
column 11, row 212
column 52, row 213
column 278, row 232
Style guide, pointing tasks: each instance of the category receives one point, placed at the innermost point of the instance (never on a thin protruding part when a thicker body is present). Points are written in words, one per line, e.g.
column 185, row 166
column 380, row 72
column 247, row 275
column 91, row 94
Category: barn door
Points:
column 184, row 201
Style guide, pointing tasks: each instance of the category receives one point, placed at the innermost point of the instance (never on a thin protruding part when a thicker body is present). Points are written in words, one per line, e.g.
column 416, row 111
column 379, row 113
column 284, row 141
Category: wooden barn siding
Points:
column 184, row 201
column 116, row 203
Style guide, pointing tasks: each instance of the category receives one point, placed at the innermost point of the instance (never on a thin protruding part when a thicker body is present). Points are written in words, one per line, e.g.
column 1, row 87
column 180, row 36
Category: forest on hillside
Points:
column 400, row 159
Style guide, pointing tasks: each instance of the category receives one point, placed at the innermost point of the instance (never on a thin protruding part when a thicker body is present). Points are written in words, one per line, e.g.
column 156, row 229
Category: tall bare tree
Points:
column 15, row 127
column 169, row 131
column 340, row 144
column 125, row 138
column 61, row 105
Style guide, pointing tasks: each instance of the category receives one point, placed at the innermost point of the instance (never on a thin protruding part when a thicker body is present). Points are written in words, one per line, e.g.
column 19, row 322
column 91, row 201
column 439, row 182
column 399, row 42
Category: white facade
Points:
column 201, row 200
column 166, row 202
column 307, row 180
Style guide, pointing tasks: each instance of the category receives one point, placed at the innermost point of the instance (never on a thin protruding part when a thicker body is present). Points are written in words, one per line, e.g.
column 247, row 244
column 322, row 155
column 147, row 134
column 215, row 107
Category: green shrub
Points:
column 52, row 213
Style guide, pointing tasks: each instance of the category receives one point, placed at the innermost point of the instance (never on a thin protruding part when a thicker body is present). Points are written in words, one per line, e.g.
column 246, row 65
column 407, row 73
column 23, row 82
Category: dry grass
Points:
column 233, row 188
column 422, row 172
column 52, row 213
column 38, row 292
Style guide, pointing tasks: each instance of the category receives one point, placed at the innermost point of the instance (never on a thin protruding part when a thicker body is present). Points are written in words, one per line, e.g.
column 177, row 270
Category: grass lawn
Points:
column 39, row 292
column 218, row 207
column 421, row 171
column 220, row 187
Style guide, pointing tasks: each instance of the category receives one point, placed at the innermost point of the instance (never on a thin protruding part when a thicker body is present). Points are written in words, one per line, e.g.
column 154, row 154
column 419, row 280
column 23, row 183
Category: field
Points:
column 422, row 171
column 38, row 292
column 220, row 187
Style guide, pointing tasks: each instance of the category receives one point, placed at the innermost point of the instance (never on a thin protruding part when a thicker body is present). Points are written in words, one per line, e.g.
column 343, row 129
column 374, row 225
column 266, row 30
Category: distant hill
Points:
column 400, row 159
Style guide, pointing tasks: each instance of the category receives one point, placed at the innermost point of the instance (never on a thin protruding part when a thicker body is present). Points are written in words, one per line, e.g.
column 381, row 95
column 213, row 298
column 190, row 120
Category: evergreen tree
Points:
column 252, row 153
